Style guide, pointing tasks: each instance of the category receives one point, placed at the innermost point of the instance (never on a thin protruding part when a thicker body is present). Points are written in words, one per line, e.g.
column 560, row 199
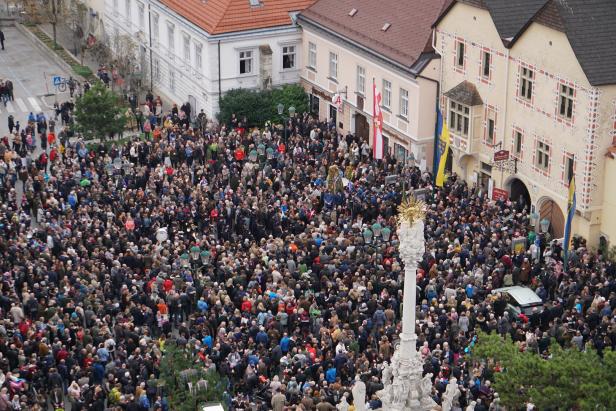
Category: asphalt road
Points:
column 31, row 72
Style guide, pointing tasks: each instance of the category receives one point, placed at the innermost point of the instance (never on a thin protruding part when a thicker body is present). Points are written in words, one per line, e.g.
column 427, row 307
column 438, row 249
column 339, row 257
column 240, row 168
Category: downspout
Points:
column 438, row 97
column 150, row 32
column 506, row 99
column 219, row 81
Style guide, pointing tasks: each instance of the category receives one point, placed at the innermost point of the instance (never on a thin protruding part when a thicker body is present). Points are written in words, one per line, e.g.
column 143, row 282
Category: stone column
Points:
column 404, row 388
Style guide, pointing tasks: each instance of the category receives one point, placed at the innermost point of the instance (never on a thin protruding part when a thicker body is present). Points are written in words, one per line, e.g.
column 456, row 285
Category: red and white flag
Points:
column 377, row 118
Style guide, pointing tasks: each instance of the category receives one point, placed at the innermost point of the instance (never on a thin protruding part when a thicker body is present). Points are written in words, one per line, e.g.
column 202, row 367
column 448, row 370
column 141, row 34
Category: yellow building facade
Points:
column 512, row 84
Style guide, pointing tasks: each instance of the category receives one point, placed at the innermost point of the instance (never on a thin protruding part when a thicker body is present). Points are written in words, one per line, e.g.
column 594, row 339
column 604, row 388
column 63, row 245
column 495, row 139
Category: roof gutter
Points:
column 402, row 67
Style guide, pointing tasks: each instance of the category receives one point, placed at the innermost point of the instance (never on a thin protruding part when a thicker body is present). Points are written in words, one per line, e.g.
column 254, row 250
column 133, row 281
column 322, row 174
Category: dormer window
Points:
column 386, row 26
column 353, row 12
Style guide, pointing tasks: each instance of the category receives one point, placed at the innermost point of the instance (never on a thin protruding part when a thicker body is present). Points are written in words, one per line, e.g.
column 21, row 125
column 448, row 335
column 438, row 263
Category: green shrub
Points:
column 260, row 106
column 83, row 71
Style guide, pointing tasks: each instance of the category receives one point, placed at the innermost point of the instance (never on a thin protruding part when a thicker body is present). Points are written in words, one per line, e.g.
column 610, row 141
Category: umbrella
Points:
column 85, row 182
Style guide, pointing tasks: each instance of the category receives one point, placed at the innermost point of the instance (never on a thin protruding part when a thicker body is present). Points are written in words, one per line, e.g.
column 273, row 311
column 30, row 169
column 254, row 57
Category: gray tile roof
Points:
column 465, row 93
column 591, row 28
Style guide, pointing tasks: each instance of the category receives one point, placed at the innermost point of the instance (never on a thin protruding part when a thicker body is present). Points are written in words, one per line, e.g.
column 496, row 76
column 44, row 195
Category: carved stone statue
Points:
column 425, row 390
column 359, row 394
column 387, row 374
column 471, row 406
column 343, row 405
column 451, row 394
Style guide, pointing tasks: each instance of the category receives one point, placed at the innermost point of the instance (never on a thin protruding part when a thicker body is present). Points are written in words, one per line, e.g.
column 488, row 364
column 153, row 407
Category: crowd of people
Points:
column 250, row 250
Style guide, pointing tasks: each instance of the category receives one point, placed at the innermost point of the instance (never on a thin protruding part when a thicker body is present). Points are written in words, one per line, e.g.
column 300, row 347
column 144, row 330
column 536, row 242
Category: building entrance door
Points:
column 362, row 128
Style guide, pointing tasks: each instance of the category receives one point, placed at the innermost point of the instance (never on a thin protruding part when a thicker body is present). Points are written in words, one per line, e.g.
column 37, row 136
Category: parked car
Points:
column 520, row 300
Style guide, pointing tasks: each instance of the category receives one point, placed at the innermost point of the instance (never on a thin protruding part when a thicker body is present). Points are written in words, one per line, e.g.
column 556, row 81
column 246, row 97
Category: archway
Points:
column 549, row 210
column 519, row 193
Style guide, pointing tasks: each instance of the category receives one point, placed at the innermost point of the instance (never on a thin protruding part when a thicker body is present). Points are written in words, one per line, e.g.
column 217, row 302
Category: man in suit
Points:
column 2, row 39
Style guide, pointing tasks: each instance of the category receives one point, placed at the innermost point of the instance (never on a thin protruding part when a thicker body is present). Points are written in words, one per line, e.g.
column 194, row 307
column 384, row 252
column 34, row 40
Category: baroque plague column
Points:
column 404, row 387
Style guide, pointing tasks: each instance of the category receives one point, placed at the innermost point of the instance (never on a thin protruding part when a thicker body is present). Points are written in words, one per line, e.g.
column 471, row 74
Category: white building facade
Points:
column 186, row 63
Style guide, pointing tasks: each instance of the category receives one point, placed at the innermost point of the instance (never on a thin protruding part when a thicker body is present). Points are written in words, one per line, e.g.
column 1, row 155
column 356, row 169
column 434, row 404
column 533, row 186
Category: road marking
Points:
column 21, row 104
column 9, row 107
column 34, row 103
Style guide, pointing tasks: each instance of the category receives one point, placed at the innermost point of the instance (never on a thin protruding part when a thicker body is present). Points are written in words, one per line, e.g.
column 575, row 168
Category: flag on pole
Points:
column 377, row 118
column 570, row 213
column 442, row 156
column 437, row 144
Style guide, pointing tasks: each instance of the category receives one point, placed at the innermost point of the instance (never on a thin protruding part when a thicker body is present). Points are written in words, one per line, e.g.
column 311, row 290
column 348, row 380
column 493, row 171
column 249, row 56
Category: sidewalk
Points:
column 64, row 37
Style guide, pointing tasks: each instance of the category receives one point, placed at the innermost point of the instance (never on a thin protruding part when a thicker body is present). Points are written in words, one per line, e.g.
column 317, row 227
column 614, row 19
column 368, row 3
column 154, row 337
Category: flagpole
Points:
column 373, row 118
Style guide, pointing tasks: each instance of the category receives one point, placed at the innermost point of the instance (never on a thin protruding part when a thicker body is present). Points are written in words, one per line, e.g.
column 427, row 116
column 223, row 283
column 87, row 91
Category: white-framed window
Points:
column 333, row 65
column 386, row 94
column 486, row 60
column 171, row 39
column 400, row 152
column 569, row 168
column 245, row 62
column 361, row 80
column 171, row 78
column 527, row 78
column 404, row 103
column 156, row 69
column 198, row 56
column 459, row 118
column 543, row 155
column 312, row 55
column 518, row 139
column 141, row 9
column 155, row 27
column 491, row 128
column 460, row 54
column 565, row 101
column 186, row 44
column 128, row 6
column 288, row 57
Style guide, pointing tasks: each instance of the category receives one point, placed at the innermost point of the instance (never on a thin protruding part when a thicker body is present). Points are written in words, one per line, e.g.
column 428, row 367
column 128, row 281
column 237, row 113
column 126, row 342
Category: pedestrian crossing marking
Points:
column 9, row 107
column 35, row 104
column 21, row 104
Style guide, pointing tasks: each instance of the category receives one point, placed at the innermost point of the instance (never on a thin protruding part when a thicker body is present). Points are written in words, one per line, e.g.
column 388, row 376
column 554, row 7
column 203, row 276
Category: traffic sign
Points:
column 57, row 80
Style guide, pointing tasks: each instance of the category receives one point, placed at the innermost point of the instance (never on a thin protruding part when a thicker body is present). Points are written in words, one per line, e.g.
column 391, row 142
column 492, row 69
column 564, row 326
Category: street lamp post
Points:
column 280, row 109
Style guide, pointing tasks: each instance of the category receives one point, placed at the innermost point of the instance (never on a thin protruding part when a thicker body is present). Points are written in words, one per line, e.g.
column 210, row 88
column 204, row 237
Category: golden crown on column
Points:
column 411, row 210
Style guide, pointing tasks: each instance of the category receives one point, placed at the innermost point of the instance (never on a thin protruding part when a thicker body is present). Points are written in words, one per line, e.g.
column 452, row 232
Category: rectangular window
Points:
column 198, row 56
column 361, row 80
column 333, row 65
column 312, row 55
column 172, row 79
column 245, row 62
column 141, row 16
column 485, row 64
column 490, row 139
column 155, row 27
column 404, row 103
column 288, row 57
column 517, row 143
column 459, row 118
column 128, row 7
column 543, row 155
column 569, row 168
column 314, row 104
column 186, row 39
column 460, row 54
column 400, row 152
column 566, row 101
column 526, row 83
column 171, row 39
column 386, row 94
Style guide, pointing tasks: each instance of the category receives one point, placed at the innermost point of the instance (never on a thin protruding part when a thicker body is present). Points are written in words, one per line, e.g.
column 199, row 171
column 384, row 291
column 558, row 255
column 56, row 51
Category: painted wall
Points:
column 548, row 53
column 415, row 132
column 178, row 77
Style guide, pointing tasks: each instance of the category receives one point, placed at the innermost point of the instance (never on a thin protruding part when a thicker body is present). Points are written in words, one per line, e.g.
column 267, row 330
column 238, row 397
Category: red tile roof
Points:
column 226, row 16
column 404, row 41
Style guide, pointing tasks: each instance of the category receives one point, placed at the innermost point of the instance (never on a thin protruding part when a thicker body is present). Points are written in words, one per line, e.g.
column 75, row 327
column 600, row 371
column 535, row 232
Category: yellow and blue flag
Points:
column 570, row 213
column 442, row 151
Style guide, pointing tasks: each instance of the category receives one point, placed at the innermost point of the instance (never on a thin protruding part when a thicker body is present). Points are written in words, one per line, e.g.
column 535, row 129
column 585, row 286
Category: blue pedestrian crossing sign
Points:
column 57, row 80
